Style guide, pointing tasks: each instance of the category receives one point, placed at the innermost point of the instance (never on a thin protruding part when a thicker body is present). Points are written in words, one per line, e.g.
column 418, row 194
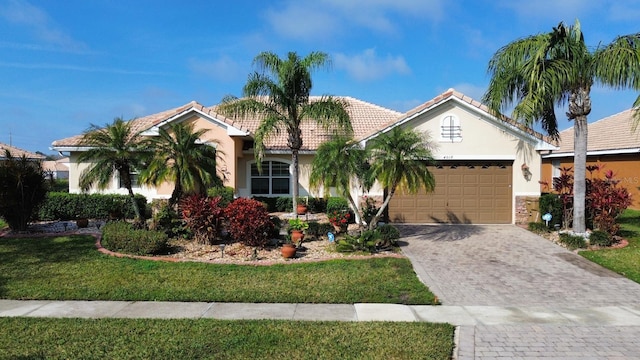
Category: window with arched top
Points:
column 275, row 178
column 450, row 129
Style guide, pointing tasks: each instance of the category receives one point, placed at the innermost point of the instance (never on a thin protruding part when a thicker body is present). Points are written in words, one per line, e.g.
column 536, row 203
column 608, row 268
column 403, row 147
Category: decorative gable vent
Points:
column 450, row 129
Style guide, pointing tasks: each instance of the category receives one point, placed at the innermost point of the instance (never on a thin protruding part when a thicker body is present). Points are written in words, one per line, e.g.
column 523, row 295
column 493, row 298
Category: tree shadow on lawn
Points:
column 27, row 251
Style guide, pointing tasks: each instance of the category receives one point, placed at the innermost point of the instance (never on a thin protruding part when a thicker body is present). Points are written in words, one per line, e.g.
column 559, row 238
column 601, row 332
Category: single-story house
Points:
column 18, row 153
column 59, row 169
column 486, row 167
column 611, row 142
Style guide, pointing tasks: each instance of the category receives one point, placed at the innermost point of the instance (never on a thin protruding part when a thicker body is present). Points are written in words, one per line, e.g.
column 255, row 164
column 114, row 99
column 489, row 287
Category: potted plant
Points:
column 288, row 249
column 301, row 208
column 297, row 228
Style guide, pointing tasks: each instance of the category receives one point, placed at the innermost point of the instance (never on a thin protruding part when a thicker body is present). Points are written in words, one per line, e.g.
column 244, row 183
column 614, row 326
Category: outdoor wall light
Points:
column 526, row 172
column 222, row 250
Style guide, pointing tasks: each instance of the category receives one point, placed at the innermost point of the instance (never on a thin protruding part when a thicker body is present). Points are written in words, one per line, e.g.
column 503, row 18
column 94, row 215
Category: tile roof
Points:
column 15, row 152
column 452, row 93
column 614, row 132
column 364, row 116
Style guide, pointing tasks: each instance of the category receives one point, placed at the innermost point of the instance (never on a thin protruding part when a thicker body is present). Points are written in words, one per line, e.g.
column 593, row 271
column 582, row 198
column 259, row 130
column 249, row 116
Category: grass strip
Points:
column 625, row 261
column 36, row 338
column 69, row 268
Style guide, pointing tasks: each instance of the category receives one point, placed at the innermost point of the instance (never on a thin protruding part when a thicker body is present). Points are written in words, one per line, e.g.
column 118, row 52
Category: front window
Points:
column 275, row 178
column 134, row 181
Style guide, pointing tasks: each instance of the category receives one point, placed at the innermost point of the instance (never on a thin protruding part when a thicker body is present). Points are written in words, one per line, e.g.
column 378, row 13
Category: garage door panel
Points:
column 466, row 192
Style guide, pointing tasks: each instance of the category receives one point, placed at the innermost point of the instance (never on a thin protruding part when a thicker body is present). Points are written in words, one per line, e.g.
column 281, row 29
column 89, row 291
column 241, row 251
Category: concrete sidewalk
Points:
column 456, row 315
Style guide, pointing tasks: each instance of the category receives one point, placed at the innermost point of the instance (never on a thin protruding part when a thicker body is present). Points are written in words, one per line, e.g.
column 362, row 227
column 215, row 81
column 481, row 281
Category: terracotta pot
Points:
column 288, row 251
column 297, row 236
column 82, row 223
column 301, row 209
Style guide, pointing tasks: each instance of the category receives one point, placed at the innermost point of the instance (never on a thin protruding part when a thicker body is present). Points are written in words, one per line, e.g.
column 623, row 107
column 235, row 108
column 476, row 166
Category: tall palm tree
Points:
column 114, row 148
column 280, row 95
column 399, row 159
column 339, row 163
column 538, row 72
column 181, row 157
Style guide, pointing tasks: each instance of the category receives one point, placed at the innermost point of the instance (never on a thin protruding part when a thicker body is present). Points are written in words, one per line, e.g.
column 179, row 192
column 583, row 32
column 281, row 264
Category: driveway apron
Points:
column 507, row 266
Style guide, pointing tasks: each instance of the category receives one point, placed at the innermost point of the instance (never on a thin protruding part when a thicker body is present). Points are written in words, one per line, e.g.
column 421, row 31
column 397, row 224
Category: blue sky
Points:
column 67, row 64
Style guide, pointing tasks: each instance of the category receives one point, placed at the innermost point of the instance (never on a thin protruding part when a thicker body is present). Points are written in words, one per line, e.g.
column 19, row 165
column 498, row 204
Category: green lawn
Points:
column 69, row 268
column 625, row 261
column 216, row 339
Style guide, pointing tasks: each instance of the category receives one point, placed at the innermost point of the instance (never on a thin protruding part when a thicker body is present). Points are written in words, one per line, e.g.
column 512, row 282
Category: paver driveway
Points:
column 503, row 265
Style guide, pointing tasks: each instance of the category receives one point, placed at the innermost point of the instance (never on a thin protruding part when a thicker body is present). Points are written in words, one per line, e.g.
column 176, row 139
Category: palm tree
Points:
column 114, row 148
column 399, row 159
column 538, row 72
column 280, row 95
column 338, row 163
column 180, row 157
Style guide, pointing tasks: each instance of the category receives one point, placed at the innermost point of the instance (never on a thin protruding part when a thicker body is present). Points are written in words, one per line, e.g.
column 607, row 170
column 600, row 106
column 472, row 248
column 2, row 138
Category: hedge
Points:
column 121, row 237
column 65, row 206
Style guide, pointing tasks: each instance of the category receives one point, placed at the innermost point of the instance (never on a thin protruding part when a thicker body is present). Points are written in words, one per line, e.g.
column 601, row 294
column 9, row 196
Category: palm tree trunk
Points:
column 579, row 173
column 374, row 222
column 294, row 181
column 136, row 208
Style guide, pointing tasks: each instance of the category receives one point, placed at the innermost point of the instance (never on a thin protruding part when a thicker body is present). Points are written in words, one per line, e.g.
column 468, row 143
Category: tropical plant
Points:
column 339, row 163
column 249, row 222
column 298, row 224
column 181, row 157
column 113, row 149
column 22, row 189
column 279, row 94
column 399, row 159
column 339, row 218
column 538, row 72
column 605, row 200
column 203, row 216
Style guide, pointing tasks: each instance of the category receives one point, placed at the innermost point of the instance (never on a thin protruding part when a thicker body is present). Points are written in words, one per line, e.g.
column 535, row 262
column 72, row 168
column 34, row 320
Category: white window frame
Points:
column 450, row 128
column 267, row 173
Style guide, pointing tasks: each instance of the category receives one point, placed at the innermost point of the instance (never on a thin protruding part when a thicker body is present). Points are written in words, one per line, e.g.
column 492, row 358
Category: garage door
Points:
column 467, row 192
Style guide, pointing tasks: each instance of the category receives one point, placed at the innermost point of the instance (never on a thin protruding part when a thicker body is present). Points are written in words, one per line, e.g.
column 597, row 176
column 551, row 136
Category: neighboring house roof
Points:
column 15, row 152
column 611, row 135
column 364, row 117
column 61, row 164
column 452, row 94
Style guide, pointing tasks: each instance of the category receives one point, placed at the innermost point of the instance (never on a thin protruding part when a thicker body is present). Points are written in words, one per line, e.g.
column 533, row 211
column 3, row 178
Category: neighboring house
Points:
column 18, row 153
column 611, row 142
column 58, row 169
column 479, row 174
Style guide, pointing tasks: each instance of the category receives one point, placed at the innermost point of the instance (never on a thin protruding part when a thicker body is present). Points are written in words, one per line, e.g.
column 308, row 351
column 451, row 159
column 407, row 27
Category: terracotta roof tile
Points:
column 15, row 152
column 364, row 116
column 614, row 132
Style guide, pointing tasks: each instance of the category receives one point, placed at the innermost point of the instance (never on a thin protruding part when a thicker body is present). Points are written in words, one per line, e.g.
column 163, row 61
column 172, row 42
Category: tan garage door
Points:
column 467, row 192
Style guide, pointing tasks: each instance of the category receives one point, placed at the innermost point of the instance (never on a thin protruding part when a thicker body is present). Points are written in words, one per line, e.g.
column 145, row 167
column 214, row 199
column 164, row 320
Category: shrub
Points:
column 269, row 202
column 249, row 222
column 317, row 205
column 167, row 220
column 121, row 237
column 551, row 203
column 389, row 233
column 22, row 189
column 605, row 200
column 337, row 204
column 600, row 238
column 284, row 204
column 319, row 229
column 367, row 241
column 226, row 194
column 538, row 227
column 573, row 241
column 203, row 216
column 368, row 209
column 65, row 206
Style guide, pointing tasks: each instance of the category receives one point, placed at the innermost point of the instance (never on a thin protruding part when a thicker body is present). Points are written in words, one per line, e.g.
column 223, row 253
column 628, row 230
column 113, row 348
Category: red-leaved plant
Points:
column 605, row 200
column 249, row 222
column 203, row 217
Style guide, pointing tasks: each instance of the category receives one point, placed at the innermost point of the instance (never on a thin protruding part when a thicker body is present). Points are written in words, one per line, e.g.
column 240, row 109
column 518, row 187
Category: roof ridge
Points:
column 371, row 104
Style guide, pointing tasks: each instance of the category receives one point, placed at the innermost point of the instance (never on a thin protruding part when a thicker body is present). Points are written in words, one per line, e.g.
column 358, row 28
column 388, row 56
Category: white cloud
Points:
column 35, row 19
column 222, row 69
column 314, row 20
column 368, row 66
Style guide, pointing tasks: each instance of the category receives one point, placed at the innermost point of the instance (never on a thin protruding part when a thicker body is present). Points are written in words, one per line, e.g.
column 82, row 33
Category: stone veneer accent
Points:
column 527, row 209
